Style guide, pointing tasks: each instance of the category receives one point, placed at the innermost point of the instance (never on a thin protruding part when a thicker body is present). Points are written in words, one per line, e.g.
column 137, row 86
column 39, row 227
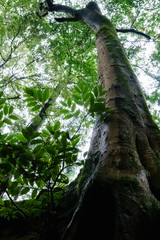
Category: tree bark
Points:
column 117, row 195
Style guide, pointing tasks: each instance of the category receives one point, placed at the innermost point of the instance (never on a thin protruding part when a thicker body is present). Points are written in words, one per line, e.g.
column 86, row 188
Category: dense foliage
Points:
column 50, row 96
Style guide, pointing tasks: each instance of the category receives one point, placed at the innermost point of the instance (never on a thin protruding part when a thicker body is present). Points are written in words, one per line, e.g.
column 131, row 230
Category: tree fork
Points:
column 119, row 195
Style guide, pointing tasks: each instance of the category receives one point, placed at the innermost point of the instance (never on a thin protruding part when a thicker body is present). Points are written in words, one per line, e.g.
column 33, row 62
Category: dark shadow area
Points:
column 98, row 217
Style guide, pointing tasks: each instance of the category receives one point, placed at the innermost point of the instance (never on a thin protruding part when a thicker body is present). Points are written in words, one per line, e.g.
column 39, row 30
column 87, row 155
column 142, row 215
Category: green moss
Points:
column 156, row 159
column 83, row 176
column 130, row 183
column 128, row 165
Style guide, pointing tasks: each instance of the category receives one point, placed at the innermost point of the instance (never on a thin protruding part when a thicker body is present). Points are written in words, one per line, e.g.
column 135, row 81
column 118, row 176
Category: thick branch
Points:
column 91, row 15
column 36, row 122
column 134, row 31
column 48, row 6
column 75, row 19
column 15, row 204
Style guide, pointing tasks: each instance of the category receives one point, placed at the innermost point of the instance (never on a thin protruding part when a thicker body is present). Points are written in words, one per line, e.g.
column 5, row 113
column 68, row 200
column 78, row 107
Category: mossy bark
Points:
column 118, row 196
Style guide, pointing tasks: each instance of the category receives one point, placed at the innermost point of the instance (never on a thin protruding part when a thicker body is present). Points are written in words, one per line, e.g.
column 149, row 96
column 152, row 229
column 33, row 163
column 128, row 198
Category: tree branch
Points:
column 91, row 15
column 134, row 31
column 13, row 98
column 48, row 6
column 15, row 204
column 148, row 73
column 75, row 19
column 35, row 124
column 60, row 8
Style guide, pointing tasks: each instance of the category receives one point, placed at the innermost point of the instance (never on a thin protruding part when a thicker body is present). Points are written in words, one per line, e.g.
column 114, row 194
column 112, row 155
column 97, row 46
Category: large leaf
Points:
column 25, row 190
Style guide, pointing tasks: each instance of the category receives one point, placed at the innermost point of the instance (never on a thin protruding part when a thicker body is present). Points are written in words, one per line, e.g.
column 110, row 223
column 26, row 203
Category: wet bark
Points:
column 117, row 196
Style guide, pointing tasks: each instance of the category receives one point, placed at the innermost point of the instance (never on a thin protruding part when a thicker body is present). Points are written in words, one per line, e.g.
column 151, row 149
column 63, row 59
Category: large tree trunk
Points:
column 116, row 196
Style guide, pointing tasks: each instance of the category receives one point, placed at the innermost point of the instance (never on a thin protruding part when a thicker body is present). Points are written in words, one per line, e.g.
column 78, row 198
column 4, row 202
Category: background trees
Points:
column 49, row 84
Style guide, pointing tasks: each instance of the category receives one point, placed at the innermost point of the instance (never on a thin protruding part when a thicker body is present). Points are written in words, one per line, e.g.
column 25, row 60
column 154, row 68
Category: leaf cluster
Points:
column 6, row 112
column 85, row 95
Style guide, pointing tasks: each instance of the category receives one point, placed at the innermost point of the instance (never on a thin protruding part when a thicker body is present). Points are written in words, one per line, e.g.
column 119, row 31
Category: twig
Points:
column 13, row 98
column 149, row 74
column 20, row 210
column 80, row 125
column 15, row 204
column 135, row 18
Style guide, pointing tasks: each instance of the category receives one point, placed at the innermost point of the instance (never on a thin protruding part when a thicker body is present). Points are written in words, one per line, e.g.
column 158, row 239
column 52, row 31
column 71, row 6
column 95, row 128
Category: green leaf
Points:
column 64, row 141
column 1, row 202
column 29, row 91
column 92, row 98
column 34, row 193
column 101, row 90
column 27, row 132
column 37, row 149
column 21, row 138
column 69, row 116
column 14, row 191
column 51, row 150
column 45, row 133
column 25, row 190
column 64, row 179
column 100, row 99
column 40, row 95
column 17, row 174
column 56, row 135
column 76, row 96
column 77, row 112
column 1, row 94
column 77, row 89
column 14, row 184
column 64, row 111
column 80, row 163
column 63, row 103
column 1, row 124
column 87, row 103
column 98, row 107
column 32, row 104
column 56, row 126
column 73, row 107
column 36, row 141
column 29, row 99
column 110, row 110
column 86, row 96
column 40, row 184
column 46, row 95
column 7, row 121
column 85, row 154
column 36, row 108
column 35, row 94
column 11, row 108
column 13, row 117
column 1, row 115
column 86, row 89
column 6, row 109
column 81, row 85
column 20, row 180
column 6, row 166
column 2, row 101
column 79, row 102
column 76, row 136
column 95, row 91
column 69, row 102
column 74, row 142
